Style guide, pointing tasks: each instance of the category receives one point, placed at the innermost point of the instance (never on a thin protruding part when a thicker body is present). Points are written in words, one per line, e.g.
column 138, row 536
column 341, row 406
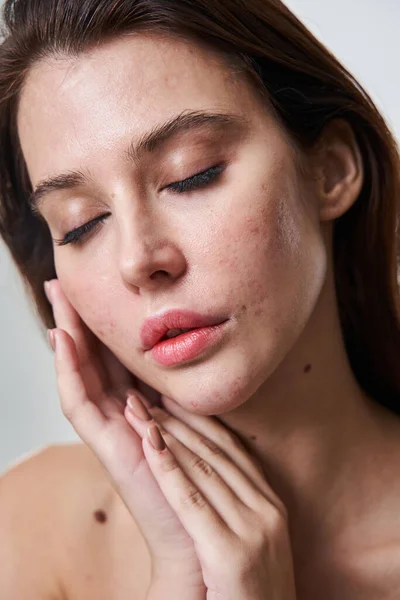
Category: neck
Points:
column 312, row 427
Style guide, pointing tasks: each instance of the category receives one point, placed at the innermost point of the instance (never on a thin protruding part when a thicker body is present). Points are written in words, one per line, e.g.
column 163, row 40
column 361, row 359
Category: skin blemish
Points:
column 307, row 368
column 253, row 437
column 100, row 516
column 243, row 309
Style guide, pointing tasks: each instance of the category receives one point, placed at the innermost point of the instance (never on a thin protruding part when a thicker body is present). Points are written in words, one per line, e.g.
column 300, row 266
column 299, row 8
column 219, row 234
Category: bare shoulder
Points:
column 67, row 529
column 28, row 503
column 37, row 483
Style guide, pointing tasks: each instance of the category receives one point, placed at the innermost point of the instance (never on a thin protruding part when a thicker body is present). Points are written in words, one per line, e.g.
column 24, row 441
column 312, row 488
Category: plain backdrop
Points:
column 364, row 36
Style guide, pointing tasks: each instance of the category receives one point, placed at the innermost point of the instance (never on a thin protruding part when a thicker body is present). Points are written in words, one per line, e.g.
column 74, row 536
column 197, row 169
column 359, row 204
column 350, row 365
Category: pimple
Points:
column 251, row 225
column 236, row 383
column 243, row 309
column 228, row 263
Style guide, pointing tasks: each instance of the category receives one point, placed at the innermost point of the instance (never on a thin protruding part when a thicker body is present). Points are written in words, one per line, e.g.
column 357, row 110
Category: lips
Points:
column 155, row 328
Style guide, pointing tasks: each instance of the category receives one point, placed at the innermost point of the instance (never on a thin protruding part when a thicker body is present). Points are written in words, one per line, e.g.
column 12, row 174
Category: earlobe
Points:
column 341, row 170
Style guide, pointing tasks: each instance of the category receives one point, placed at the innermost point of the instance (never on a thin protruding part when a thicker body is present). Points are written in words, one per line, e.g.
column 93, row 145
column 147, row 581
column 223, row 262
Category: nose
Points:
column 148, row 258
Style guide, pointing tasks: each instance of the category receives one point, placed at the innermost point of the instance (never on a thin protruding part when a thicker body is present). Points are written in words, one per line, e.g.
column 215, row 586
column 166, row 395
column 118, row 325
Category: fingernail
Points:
column 155, row 438
column 52, row 339
column 138, row 408
column 47, row 291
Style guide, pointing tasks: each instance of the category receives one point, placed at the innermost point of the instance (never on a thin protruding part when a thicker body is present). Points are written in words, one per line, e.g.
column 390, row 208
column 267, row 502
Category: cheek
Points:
column 273, row 254
column 92, row 295
column 260, row 245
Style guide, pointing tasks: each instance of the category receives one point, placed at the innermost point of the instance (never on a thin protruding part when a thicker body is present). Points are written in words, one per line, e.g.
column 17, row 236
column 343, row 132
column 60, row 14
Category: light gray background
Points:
column 364, row 36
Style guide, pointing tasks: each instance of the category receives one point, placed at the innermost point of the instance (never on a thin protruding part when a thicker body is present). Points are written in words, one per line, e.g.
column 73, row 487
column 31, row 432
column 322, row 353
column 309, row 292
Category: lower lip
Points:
column 186, row 346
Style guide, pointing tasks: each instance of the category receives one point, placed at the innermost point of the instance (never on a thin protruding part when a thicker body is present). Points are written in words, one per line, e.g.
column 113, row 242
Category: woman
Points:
column 211, row 167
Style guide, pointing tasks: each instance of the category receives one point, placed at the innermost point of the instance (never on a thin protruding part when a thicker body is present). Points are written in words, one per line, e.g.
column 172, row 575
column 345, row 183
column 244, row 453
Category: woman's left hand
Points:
column 219, row 492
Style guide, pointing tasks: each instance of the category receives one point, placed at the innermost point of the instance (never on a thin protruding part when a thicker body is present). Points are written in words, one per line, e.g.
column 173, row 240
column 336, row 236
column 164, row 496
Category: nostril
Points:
column 159, row 275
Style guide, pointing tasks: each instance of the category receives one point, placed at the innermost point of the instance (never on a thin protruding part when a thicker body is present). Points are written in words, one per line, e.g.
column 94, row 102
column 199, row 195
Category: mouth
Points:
column 174, row 324
column 173, row 333
column 182, row 346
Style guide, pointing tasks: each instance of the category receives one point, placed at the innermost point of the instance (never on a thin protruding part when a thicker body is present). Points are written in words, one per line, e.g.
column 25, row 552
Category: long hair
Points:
column 306, row 86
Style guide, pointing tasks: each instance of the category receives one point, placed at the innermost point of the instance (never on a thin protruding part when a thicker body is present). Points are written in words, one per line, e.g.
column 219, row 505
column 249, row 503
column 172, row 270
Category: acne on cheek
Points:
column 97, row 316
column 102, row 323
column 105, row 332
column 264, row 251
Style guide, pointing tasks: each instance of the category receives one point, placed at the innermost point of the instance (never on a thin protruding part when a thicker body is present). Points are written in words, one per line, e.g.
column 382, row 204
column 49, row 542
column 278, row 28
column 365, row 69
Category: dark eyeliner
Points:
column 75, row 236
column 197, row 181
column 194, row 182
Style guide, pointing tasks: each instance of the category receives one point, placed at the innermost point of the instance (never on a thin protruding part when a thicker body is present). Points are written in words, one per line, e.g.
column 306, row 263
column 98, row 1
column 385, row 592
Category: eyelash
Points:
column 192, row 183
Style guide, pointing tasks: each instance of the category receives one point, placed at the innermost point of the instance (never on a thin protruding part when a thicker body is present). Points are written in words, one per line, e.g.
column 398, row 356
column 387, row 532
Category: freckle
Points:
column 307, row 368
column 100, row 516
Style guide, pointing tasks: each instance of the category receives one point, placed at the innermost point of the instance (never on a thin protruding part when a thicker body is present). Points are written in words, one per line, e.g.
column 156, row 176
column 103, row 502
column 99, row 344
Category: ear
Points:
column 340, row 170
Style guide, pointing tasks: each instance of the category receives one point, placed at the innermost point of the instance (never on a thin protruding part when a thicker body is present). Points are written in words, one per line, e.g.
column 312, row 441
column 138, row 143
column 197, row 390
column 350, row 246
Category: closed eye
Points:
column 197, row 181
column 75, row 236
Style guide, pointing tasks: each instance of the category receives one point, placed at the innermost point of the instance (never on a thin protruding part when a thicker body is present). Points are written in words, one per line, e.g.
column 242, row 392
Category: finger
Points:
column 68, row 319
column 97, row 423
column 211, row 428
column 193, row 508
column 66, row 316
column 187, row 444
column 86, row 418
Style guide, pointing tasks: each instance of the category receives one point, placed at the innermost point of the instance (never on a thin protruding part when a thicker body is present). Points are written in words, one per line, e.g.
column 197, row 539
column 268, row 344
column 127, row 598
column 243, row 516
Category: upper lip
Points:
column 154, row 328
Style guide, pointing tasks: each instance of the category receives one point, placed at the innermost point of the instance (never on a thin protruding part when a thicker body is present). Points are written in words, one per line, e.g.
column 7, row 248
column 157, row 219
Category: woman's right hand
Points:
column 93, row 387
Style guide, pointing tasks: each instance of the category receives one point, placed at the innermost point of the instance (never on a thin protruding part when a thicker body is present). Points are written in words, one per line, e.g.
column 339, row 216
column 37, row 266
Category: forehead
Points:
column 73, row 108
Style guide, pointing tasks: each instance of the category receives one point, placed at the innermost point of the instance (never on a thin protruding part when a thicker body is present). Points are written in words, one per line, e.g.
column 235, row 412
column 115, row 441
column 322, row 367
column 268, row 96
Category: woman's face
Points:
column 245, row 245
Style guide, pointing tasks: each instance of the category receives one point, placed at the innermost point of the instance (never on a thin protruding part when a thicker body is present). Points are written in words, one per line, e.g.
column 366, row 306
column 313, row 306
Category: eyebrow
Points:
column 148, row 143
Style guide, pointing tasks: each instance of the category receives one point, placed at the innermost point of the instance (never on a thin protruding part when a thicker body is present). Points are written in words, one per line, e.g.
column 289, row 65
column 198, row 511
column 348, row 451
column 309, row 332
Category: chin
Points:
column 215, row 386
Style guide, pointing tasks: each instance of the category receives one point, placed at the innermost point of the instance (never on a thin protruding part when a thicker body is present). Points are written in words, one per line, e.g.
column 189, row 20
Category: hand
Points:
column 238, row 524
column 93, row 387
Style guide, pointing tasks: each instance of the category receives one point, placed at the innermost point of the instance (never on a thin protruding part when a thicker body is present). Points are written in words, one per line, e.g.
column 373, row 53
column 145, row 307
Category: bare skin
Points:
column 282, row 381
column 77, row 541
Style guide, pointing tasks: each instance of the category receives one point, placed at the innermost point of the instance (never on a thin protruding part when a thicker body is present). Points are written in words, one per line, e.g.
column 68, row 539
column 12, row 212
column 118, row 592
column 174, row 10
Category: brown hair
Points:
column 307, row 88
